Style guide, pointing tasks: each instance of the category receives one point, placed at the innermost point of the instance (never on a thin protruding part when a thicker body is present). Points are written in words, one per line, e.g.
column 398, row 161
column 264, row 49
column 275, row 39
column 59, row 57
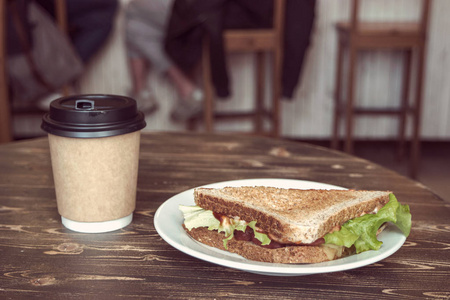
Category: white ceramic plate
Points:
column 168, row 221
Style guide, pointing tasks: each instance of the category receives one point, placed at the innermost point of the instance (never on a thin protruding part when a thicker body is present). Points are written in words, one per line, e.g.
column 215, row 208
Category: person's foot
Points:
column 146, row 102
column 186, row 109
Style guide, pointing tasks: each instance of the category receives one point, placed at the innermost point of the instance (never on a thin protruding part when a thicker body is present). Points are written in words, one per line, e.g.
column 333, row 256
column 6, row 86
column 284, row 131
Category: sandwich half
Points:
column 290, row 225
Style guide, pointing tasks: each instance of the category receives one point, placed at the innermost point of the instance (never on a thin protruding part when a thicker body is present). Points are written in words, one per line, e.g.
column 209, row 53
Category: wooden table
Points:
column 41, row 258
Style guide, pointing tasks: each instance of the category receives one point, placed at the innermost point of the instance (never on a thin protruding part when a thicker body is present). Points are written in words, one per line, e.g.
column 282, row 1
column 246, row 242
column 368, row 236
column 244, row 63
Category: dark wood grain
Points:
column 40, row 258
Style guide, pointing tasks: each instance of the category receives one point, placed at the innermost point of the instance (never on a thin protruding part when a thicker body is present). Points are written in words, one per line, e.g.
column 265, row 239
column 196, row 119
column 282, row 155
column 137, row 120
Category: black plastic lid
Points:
column 93, row 116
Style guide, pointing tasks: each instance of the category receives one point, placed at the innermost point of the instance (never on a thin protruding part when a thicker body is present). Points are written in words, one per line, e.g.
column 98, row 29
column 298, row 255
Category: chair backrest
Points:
column 423, row 20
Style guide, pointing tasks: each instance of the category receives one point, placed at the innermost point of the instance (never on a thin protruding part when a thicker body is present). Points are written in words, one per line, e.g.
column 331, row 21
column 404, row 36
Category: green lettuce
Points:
column 262, row 237
column 195, row 216
column 362, row 231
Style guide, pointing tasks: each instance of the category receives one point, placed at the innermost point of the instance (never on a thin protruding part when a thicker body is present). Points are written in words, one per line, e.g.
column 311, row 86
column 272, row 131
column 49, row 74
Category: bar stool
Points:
column 258, row 41
column 355, row 36
column 6, row 129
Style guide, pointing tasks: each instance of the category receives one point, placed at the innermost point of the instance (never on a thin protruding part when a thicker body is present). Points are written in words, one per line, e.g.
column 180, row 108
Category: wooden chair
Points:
column 5, row 109
column 408, row 37
column 258, row 41
column 6, row 130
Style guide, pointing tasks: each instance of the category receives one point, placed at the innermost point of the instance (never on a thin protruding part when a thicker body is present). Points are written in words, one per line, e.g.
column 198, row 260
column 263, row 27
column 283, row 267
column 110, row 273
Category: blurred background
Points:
column 308, row 116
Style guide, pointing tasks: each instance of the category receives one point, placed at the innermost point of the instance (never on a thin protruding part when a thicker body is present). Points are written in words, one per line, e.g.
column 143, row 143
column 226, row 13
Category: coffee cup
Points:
column 94, row 145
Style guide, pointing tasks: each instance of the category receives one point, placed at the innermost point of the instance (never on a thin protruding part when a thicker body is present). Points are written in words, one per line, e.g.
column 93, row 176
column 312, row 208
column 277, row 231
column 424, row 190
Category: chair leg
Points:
column 417, row 113
column 276, row 93
column 337, row 98
column 404, row 104
column 61, row 17
column 5, row 109
column 208, row 108
column 350, row 99
column 259, row 92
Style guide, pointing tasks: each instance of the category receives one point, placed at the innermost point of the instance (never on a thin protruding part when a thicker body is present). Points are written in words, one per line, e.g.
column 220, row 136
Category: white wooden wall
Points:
column 309, row 114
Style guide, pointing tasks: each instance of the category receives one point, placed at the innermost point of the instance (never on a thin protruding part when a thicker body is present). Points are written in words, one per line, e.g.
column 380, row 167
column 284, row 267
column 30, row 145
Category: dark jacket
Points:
column 191, row 20
column 89, row 24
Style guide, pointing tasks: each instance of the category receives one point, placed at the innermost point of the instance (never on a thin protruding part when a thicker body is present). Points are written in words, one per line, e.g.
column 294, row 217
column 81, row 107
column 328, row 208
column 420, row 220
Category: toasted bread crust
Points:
column 291, row 254
column 291, row 215
column 222, row 206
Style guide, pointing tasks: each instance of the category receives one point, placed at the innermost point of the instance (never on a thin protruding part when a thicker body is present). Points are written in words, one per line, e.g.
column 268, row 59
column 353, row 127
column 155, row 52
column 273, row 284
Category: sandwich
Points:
column 277, row 225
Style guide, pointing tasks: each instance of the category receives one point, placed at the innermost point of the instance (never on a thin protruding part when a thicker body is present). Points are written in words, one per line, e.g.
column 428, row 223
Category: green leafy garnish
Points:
column 262, row 237
column 362, row 231
column 195, row 216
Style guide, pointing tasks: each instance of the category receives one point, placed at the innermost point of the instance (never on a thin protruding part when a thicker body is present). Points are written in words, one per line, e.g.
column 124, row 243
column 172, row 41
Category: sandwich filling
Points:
column 360, row 232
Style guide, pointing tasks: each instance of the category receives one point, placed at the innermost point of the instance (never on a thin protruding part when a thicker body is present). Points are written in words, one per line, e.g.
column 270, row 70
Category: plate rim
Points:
column 271, row 268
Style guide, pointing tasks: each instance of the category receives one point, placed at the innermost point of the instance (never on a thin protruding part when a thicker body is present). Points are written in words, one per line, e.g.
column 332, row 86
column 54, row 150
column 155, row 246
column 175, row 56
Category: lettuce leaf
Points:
column 404, row 219
column 195, row 216
column 362, row 231
column 343, row 237
column 262, row 237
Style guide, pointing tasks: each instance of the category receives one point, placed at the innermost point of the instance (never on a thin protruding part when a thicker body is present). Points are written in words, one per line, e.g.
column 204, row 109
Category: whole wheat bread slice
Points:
column 249, row 250
column 291, row 215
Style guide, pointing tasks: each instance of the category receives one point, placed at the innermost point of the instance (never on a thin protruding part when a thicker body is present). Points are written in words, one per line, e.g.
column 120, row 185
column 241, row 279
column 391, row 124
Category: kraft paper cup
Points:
column 94, row 146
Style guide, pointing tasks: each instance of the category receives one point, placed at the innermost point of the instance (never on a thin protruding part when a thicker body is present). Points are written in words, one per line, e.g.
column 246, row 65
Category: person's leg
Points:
column 139, row 71
column 183, row 85
column 144, row 97
column 145, row 28
column 139, row 67
column 190, row 102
